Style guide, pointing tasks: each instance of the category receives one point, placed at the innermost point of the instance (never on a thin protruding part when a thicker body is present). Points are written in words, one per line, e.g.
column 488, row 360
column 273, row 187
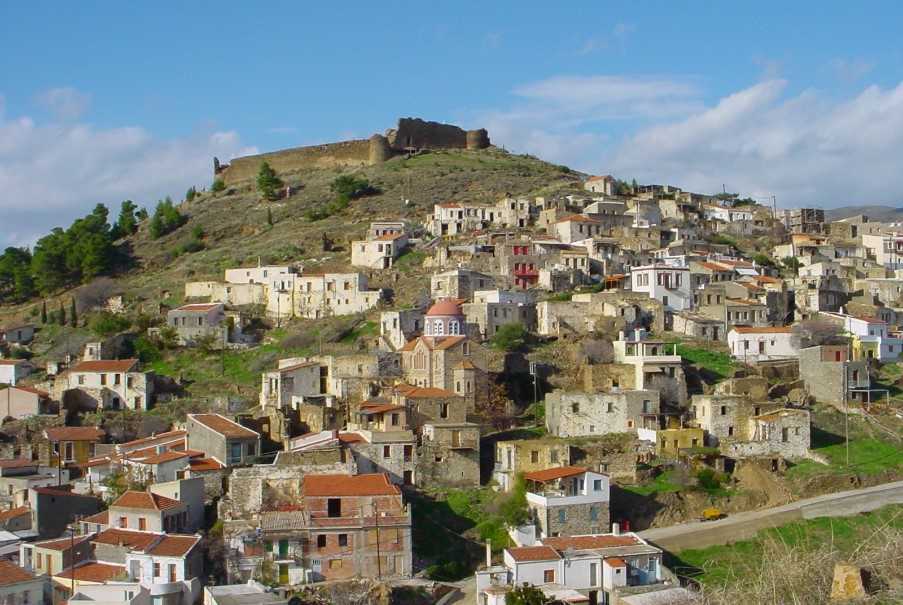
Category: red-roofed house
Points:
column 576, row 569
column 452, row 363
column 334, row 534
column 20, row 586
column 222, row 439
column 147, row 511
column 105, row 384
column 568, row 500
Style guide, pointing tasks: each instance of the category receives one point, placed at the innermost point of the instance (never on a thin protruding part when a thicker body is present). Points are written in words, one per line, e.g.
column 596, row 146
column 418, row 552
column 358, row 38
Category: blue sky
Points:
column 103, row 101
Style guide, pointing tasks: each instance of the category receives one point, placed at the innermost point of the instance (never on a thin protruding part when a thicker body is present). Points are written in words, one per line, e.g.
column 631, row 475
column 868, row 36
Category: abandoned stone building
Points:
column 581, row 414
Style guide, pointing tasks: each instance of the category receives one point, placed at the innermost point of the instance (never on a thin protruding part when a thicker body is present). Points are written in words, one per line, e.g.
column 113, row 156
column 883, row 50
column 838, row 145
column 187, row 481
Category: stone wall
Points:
column 346, row 154
column 577, row 519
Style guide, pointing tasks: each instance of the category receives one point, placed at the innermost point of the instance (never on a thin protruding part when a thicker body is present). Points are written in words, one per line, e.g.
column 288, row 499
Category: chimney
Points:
column 488, row 553
column 621, row 335
column 615, row 529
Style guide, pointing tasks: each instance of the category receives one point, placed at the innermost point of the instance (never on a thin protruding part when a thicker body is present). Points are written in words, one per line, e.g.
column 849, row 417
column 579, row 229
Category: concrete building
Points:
column 655, row 368
column 831, row 376
column 577, row 227
column 105, row 384
column 13, row 370
column 200, row 321
column 576, row 569
column 19, row 402
column 600, row 184
column 523, row 456
column 398, row 327
column 582, row 414
column 222, row 439
column 871, row 339
column 17, row 335
column 379, row 252
column 749, row 344
column 69, row 445
column 19, row 586
column 318, row 295
column 459, row 284
column 567, row 501
column 886, row 248
column 669, row 285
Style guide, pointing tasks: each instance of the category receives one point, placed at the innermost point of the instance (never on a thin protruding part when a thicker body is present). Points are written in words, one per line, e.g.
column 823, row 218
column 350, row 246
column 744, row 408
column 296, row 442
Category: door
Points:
column 283, row 549
column 283, row 573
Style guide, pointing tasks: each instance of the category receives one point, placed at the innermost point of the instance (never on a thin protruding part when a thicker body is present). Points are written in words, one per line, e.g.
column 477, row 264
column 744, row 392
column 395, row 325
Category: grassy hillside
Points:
column 236, row 230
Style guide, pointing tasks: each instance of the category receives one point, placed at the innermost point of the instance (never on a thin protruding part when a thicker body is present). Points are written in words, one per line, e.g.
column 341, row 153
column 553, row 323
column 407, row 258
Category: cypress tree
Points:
column 73, row 316
column 62, row 314
column 269, row 217
column 44, row 312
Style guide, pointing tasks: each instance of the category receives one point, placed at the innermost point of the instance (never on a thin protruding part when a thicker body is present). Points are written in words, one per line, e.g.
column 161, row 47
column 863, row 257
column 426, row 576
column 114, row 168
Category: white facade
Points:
column 12, row 370
column 669, row 285
column 886, row 248
column 761, row 344
column 121, row 593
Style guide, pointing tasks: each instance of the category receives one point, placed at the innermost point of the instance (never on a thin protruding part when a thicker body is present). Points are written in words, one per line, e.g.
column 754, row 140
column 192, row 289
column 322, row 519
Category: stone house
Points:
column 577, row 227
column 600, row 184
column 292, row 383
column 487, row 317
column 319, row 295
column 698, row 326
column 568, row 501
column 452, row 363
column 459, row 284
column 784, row 432
column 381, row 441
column 670, row 442
column 13, row 370
column 379, row 252
column 527, row 455
column 832, row 377
column 398, row 327
column 343, row 527
column 726, row 417
column 222, row 439
column 20, row 402
column 581, row 414
column 17, row 477
column 105, row 384
column 199, row 321
column 17, row 335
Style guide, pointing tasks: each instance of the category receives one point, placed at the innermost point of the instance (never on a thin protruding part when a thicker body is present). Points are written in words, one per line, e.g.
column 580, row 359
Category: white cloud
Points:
column 65, row 103
column 804, row 149
column 52, row 172
column 617, row 37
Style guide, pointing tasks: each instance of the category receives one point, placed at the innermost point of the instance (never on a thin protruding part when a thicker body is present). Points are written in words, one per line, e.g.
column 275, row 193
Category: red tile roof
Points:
column 105, row 365
column 94, row 572
column 550, row 474
column 74, row 433
column 101, row 518
column 534, row 553
column 13, row 513
column 763, row 330
column 616, row 562
column 10, row 574
column 27, row 389
column 590, row 542
column 577, row 218
column 145, row 500
column 376, row 484
column 164, row 457
column 443, row 308
column 12, row 362
column 380, row 408
column 204, row 464
column 137, row 540
column 174, row 546
column 350, row 438
column 424, row 392
column 434, row 342
column 17, row 463
column 153, row 439
column 223, row 426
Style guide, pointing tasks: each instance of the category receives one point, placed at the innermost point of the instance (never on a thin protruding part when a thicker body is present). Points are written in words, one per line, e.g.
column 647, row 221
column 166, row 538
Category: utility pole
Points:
column 846, row 413
column 379, row 564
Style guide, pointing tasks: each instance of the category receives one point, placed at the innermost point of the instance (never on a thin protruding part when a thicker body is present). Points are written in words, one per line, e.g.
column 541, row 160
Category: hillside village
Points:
column 437, row 372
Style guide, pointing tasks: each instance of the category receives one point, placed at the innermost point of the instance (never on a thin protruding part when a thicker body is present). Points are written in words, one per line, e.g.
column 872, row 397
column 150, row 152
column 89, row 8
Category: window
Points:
column 408, row 453
column 142, row 523
column 321, row 541
column 724, row 410
column 548, row 576
column 593, row 513
column 335, row 564
column 609, row 407
column 553, row 456
column 343, row 539
column 156, row 570
column 387, row 451
column 124, row 522
column 534, row 456
column 730, row 431
column 103, row 379
column 172, row 572
column 575, row 408
column 68, row 448
column 597, row 485
column 234, row 453
column 443, row 410
column 394, row 419
column 562, row 515
column 334, row 507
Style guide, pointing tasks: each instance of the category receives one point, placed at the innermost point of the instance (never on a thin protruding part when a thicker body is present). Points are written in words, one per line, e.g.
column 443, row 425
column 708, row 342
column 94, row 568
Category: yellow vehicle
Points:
column 712, row 514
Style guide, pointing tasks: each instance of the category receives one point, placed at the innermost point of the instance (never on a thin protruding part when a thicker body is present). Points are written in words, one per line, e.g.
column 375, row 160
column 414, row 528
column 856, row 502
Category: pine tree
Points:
column 73, row 316
column 268, row 183
column 44, row 312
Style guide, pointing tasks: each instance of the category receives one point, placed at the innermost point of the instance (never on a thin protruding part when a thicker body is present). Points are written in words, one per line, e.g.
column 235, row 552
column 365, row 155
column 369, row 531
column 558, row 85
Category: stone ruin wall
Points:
column 410, row 134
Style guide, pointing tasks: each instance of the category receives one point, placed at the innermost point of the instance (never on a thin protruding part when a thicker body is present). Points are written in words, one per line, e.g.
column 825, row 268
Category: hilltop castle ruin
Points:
column 410, row 135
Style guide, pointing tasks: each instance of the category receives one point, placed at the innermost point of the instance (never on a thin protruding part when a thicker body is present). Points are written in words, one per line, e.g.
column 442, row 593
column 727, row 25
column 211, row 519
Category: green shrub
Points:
column 146, row 350
column 510, row 337
column 218, row 185
column 166, row 219
column 107, row 324
column 351, row 187
column 268, row 184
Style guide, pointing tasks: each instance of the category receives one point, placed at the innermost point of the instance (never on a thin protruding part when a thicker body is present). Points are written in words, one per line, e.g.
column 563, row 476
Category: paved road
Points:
column 741, row 526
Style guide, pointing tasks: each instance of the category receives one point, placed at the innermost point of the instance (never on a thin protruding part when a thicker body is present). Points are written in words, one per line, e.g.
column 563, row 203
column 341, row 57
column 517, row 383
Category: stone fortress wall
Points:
column 410, row 135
